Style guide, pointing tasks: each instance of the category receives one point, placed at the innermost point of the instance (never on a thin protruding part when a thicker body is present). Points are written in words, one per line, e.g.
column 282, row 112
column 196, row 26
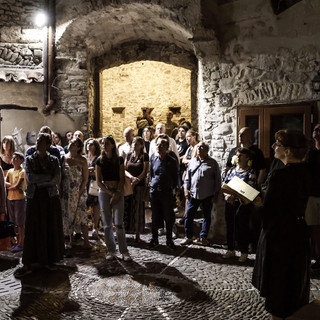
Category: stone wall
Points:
column 17, row 14
column 129, row 88
column 264, row 79
column 239, row 53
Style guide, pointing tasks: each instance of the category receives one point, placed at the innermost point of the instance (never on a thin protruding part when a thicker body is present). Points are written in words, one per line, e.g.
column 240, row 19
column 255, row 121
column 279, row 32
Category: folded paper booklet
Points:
column 240, row 189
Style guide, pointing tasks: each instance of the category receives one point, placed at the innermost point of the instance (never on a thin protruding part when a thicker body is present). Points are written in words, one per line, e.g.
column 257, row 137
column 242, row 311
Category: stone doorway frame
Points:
column 132, row 52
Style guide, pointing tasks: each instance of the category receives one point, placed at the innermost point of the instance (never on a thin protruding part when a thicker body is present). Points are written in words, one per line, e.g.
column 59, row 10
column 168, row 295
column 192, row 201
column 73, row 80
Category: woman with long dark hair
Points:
column 110, row 178
column 137, row 166
column 7, row 150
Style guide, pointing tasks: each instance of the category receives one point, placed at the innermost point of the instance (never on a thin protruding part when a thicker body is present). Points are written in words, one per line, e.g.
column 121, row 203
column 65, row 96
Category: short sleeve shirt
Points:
column 110, row 168
column 13, row 176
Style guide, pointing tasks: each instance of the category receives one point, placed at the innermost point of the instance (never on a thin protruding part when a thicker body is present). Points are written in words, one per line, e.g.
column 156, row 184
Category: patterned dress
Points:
column 74, row 208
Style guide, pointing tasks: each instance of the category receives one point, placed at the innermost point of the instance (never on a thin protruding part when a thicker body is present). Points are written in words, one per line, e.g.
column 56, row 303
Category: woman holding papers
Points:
column 281, row 271
column 237, row 213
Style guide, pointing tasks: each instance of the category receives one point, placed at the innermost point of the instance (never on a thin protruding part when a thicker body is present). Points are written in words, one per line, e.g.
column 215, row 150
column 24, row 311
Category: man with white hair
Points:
column 161, row 129
column 125, row 148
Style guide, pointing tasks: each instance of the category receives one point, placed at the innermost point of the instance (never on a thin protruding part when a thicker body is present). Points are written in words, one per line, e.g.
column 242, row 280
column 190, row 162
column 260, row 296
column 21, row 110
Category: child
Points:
column 15, row 184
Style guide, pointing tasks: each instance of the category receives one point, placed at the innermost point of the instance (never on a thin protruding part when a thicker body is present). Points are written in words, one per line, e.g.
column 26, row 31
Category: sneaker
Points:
column 171, row 245
column 126, row 257
column 202, row 242
column 186, row 241
column 243, row 257
column 110, row 256
column 316, row 265
column 153, row 243
column 229, row 254
column 16, row 248
column 161, row 232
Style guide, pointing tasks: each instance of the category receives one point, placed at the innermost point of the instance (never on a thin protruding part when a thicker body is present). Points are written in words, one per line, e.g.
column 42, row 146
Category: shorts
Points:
column 17, row 211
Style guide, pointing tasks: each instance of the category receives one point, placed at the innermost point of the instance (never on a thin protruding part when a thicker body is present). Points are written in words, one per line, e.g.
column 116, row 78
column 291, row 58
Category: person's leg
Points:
column 192, row 207
column 85, row 233
column 168, row 213
column 118, row 209
column 12, row 218
column 157, row 214
column 207, row 208
column 106, row 215
column 230, row 225
column 96, row 216
column 242, row 225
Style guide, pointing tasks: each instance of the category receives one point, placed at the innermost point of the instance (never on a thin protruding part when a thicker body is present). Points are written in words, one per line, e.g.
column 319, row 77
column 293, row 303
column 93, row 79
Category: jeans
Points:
column 192, row 207
column 106, row 215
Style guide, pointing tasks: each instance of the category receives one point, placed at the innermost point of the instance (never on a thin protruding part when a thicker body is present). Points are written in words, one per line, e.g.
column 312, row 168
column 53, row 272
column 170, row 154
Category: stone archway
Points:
column 92, row 36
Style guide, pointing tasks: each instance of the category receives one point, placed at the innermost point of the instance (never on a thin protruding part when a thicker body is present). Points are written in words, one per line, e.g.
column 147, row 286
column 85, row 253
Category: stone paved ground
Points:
column 188, row 283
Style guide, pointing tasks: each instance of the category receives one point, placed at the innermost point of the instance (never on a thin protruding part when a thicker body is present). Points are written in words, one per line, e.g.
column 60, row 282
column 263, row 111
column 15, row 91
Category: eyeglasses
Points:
column 316, row 129
column 278, row 144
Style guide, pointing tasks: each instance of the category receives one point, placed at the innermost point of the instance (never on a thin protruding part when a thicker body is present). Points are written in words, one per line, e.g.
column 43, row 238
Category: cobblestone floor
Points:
column 190, row 282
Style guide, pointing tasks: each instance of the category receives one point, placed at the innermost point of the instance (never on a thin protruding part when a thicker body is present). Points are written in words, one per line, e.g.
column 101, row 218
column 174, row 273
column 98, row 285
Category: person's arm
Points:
column 217, row 178
column 173, row 147
column 99, row 179
column 262, row 176
column 2, row 193
column 16, row 185
column 85, row 175
column 43, row 179
column 116, row 195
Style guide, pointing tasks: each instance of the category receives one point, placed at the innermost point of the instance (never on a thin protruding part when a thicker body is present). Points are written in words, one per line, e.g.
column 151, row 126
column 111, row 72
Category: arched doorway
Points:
column 129, row 88
column 162, row 77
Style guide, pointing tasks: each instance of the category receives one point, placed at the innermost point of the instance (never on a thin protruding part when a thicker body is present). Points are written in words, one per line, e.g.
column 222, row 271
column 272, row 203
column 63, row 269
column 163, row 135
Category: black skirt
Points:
column 44, row 239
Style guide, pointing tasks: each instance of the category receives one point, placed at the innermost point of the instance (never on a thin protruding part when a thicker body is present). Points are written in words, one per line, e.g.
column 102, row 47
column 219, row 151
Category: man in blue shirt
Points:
column 201, row 185
column 163, row 180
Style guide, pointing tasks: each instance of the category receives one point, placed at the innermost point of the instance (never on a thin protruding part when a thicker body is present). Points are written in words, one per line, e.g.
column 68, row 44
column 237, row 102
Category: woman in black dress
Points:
column 281, row 271
column 44, row 240
column 136, row 169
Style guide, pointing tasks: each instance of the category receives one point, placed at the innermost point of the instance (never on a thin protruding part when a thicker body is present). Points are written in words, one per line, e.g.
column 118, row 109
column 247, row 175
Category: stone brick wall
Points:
column 18, row 13
column 139, row 85
column 264, row 79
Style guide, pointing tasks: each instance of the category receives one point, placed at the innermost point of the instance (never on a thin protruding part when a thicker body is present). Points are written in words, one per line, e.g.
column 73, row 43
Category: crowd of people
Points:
column 49, row 195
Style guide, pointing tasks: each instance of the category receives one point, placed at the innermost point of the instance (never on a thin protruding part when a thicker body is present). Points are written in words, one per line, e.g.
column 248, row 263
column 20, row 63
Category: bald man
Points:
column 161, row 129
column 258, row 163
column 125, row 148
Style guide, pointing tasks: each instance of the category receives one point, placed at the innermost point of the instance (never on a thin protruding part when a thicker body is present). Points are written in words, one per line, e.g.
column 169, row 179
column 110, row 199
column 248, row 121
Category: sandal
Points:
column 19, row 273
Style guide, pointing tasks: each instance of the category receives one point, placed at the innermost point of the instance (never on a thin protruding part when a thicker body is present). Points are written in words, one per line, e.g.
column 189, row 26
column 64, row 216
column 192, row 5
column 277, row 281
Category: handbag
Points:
column 6, row 228
column 93, row 188
column 127, row 187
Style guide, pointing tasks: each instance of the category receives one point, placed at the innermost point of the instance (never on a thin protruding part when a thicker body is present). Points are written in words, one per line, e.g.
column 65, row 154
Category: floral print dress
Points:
column 74, row 208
